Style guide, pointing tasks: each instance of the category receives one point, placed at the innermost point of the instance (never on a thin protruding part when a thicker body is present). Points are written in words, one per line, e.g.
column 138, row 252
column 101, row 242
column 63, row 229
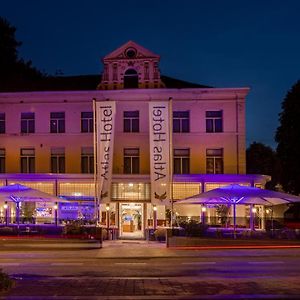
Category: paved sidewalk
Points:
column 152, row 288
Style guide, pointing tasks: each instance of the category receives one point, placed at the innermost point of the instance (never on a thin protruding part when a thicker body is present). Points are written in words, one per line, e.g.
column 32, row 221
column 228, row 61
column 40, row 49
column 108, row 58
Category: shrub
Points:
column 193, row 228
column 160, row 234
column 5, row 282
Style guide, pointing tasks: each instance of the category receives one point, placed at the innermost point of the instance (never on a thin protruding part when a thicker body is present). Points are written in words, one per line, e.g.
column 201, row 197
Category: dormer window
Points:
column 131, row 79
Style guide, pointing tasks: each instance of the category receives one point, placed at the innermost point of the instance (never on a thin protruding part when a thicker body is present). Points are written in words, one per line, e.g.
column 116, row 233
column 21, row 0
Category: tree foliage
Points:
column 15, row 73
column 288, row 139
column 262, row 159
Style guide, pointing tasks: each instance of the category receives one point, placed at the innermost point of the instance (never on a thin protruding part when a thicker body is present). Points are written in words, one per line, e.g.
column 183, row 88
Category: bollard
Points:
column 98, row 235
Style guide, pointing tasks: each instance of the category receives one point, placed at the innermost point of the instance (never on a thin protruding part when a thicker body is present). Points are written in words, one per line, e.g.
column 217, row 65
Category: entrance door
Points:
column 131, row 220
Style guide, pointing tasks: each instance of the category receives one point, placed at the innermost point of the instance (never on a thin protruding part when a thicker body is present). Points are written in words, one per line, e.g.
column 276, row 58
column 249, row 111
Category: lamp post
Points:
column 252, row 217
column 203, row 211
column 107, row 219
column 55, row 212
column 5, row 206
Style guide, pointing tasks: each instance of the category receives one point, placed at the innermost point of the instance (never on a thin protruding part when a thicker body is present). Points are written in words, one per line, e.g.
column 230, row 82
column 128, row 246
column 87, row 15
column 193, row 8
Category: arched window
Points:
column 131, row 79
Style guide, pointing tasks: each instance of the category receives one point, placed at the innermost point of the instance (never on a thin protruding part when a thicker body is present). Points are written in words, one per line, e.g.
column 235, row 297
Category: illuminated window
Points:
column 27, row 122
column 57, row 122
column 131, row 161
column 27, row 160
column 182, row 190
column 87, row 122
column 78, row 189
column 2, row 160
column 181, row 161
column 214, row 161
column 216, row 185
column 87, row 160
column 131, row 121
column 46, row 187
column 2, row 122
column 181, row 121
column 214, row 121
column 130, row 191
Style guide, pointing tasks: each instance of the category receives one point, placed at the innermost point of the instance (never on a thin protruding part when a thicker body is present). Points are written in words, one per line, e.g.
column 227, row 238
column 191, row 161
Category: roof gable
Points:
column 120, row 53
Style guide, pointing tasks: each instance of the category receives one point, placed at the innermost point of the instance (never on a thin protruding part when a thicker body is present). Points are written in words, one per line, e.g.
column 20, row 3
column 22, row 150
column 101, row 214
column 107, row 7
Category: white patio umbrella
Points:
column 235, row 194
column 20, row 193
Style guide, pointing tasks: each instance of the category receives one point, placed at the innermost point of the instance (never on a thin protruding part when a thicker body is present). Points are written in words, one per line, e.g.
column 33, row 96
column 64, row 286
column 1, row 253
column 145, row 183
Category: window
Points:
column 181, row 161
column 27, row 160
column 115, row 72
column 2, row 122
column 181, row 121
column 214, row 121
column 131, row 161
column 131, row 121
column 214, row 161
column 146, row 71
column 57, row 122
column 87, row 160
column 2, row 160
column 131, row 79
column 87, row 122
column 27, row 122
column 58, row 160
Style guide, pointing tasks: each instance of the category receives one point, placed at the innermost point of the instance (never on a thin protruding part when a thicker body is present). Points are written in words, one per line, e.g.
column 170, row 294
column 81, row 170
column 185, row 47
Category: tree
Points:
column 262, row 159
column 288, row 139
column 15, row 73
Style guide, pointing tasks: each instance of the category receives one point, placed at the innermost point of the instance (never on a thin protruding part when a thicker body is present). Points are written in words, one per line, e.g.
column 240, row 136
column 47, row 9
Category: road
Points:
column 150, row 271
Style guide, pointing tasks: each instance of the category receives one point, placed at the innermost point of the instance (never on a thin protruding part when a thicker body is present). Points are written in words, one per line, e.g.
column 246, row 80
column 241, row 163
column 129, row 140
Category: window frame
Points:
column 181, row 161
column 131, row 161
column 2, row 123
column 87, row 160
column 57, row 123
column 27, row 122
column 87, row 122
column 214, row 121
column 131, row 121
column 181, row 121
column 2, row 160
column 27, row 160
column 58, row 161
column 216, row 160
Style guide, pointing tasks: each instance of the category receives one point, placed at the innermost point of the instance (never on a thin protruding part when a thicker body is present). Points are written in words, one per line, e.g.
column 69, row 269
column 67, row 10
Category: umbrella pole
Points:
column 234, row 220
column 18, row 215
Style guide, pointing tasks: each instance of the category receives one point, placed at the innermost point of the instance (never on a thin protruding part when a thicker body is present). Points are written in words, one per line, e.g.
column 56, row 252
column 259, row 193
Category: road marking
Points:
column 66, row 264
column 264, row 262
column 131, row 263
column 199, row 263
column 10, row 264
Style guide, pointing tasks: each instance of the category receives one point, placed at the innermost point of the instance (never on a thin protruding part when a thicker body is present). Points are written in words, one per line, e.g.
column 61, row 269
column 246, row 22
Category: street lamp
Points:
column 107, row 207
column 203, row 211
column 154, row 217
column 5, row 206
column 55, row 212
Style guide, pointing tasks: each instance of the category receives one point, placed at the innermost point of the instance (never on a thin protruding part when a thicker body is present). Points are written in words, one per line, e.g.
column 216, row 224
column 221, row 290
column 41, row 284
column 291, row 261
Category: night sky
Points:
column 222, row 43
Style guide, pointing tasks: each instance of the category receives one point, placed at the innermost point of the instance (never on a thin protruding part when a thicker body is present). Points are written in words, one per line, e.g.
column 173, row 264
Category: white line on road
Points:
column 9, row 264
column 199, row 263
column 66, row 264
column 131, row 263
column 264, row 262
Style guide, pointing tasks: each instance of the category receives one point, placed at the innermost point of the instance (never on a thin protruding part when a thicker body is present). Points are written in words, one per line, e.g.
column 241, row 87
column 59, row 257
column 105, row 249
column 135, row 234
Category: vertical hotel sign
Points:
column 159, row 152
column 105, row 114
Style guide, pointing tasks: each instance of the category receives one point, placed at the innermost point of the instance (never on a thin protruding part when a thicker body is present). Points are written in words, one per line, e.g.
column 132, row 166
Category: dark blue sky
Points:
column 222, row 43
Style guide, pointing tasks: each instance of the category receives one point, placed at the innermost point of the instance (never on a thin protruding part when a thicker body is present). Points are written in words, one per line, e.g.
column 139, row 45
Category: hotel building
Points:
column 49, row 140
